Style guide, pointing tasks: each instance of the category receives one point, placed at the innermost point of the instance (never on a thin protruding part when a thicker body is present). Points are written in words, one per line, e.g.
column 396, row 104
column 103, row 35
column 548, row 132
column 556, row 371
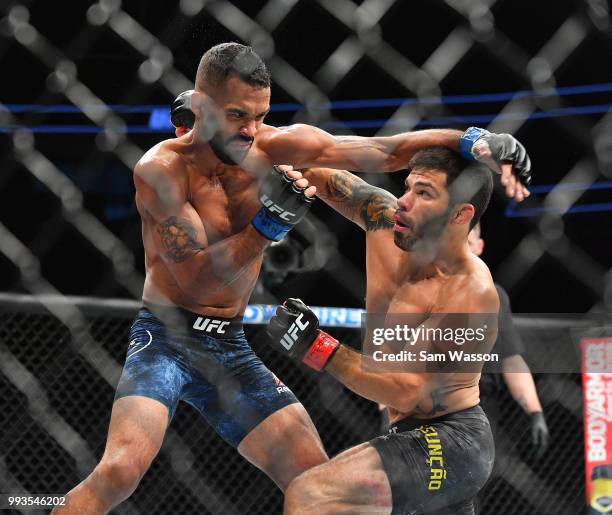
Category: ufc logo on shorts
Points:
column 291, row 336
column 275, row 208
column 210, row 324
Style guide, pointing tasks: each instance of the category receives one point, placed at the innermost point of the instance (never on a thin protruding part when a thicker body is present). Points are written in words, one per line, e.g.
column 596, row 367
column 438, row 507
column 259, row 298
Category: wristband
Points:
column 268, row 226
column 321, row 351
column 468, row 138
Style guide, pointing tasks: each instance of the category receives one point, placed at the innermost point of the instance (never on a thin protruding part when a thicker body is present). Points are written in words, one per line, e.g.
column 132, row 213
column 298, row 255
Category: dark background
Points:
column 305, row 39
column 51, row 378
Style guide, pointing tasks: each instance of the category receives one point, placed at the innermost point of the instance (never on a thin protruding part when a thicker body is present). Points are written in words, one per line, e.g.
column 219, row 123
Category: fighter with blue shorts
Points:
column 206, row 362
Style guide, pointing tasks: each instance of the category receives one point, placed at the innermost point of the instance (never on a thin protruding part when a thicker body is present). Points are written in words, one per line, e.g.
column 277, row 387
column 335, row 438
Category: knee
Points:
column 302, row 495
column 120, row 475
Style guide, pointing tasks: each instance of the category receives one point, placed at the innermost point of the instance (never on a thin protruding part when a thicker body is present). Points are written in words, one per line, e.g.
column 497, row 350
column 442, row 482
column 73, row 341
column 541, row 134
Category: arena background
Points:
column 84, row 92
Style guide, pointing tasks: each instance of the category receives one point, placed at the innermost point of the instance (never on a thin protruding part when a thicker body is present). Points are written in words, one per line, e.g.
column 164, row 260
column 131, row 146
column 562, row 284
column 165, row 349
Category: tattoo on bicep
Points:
column 178, row 238
column 374, row 206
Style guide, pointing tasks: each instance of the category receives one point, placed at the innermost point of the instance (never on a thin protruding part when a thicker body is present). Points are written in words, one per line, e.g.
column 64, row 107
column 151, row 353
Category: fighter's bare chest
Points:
column 389, row 291
column 387, row 295
column 225, row 206
column 415, row 297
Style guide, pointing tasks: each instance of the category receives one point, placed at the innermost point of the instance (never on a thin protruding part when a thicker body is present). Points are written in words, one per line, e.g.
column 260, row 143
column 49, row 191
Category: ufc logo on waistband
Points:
column 291, row 336
column 275, row 208
column 210, row 324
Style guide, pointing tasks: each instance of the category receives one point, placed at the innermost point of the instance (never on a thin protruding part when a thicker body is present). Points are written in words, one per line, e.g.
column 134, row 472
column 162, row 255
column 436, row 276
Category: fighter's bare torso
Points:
column 219, row 202
column 392, row 289
column 397, row 284
column 224, row 199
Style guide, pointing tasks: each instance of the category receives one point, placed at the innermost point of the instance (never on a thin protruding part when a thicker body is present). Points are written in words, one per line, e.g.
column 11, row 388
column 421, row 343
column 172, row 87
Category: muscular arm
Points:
column 305, row 146
column 180, row 238
column 401, row 391
column 369, row 207
column 520, row 383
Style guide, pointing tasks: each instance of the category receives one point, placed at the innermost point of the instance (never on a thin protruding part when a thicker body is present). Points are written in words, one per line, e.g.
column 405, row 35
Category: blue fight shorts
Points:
column 205, row 361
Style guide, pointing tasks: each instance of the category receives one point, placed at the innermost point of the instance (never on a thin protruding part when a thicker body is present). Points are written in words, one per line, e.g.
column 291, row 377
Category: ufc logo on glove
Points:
column 291, row 336
column 275, row 208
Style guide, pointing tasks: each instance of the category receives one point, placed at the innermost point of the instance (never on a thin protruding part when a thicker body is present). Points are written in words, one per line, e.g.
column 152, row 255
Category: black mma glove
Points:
column 283, row 205
column 504, row 148
column 181, row 114
column 539, row 434
column 294, row 331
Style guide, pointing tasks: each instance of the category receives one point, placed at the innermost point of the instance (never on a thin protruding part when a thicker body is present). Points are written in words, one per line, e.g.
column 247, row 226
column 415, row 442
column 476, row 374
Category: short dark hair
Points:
column 467, row 182
column 225, row 59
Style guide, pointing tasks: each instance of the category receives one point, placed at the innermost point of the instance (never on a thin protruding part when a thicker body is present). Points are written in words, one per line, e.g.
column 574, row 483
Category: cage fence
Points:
column 60, row 364
column 58, row 396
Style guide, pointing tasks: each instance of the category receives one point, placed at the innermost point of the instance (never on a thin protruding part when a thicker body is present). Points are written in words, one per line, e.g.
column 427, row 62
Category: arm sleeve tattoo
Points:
column 178, row 238
column 373, row 206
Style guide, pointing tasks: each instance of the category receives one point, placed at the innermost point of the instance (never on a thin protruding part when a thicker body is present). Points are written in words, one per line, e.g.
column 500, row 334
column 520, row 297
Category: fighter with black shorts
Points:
column 439, row 451
column 437, row 465
column 210, row 203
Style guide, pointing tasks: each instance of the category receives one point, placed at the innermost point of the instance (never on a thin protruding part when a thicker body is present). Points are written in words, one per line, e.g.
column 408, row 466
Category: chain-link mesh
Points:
column 403, row 52
column 87, row 95
column 57, row 410
column 57, row 407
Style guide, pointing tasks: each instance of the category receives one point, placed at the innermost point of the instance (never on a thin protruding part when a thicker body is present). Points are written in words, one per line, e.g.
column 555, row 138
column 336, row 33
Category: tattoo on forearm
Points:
column 179, row 238
column 375, row 207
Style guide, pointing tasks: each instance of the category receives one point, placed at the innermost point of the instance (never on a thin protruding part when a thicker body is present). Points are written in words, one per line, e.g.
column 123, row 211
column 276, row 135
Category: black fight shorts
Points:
column 437, row 465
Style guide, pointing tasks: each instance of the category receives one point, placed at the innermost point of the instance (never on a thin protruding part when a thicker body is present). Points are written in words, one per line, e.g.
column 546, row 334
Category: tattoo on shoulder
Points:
column 178, row 238
column 374, row 206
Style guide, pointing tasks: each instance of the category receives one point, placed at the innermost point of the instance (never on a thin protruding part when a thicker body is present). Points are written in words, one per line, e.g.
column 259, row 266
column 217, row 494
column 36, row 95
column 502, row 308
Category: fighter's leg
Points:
column 284, row 445
column 135, row 435
column 355, row 481
column 147, row 395
column 252, row 409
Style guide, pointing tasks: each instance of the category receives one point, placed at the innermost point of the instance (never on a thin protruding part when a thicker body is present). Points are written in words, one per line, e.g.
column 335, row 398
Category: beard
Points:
column 427, row 233
column 222, row 149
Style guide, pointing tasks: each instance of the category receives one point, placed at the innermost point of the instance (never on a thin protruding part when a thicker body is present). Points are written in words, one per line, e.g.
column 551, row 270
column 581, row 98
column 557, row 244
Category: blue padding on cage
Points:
column 260, row 314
